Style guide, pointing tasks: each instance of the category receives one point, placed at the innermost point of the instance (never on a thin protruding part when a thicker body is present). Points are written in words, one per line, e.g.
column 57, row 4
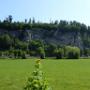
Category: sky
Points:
column 46, row 10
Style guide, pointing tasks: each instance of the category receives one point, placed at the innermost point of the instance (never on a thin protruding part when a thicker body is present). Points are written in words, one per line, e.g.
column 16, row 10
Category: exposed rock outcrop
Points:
column 54, row 36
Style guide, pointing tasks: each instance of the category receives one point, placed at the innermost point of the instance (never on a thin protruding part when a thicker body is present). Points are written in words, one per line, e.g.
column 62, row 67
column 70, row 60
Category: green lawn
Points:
column 61, row 74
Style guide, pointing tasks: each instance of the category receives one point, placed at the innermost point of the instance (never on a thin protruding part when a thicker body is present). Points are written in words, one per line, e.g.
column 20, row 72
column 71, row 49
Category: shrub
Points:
column 72, row 52
column 0, row 53
column 6, row 53
column 86, row 52
column 19, row 53
column 42, row 55
column 37, row 81
column 23, row 56
column 32, row 53
column 50, row 50
column 41, row 52
column 15, row 53
column 59, row 53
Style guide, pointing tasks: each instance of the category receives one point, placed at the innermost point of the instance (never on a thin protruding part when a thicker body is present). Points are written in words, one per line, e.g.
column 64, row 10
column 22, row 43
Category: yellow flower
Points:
column 38, row 61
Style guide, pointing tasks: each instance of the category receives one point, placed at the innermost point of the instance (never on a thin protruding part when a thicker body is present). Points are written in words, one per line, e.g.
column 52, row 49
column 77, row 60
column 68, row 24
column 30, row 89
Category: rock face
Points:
column 57, row 37
column 53, row 36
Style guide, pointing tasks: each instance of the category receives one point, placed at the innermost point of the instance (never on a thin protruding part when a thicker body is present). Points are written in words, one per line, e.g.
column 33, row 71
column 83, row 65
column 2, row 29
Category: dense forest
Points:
column 11, row 45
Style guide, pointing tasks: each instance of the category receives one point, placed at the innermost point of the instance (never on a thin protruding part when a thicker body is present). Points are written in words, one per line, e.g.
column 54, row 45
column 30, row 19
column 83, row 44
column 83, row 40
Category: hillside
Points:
column 59, row 33
column 57, row 37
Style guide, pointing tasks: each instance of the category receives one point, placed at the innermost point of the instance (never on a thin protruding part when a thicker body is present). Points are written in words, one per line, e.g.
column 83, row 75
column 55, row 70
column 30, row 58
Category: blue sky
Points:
column 46, row 10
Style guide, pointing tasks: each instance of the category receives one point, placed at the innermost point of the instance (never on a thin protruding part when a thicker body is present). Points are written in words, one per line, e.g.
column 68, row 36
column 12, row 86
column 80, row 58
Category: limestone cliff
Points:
column 57, row 37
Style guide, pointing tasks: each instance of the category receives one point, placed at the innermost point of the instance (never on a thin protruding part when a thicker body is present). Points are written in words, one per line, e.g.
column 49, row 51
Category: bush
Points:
column 72, row 52
column 1, row 53
column 59, row 53
column 86, row 52
column 6, row 53
column 42, row 56
column 41, row 52
column 50, row 50
column 23, row 56
column 19, row 53
column 15, row 53
column 32, row 53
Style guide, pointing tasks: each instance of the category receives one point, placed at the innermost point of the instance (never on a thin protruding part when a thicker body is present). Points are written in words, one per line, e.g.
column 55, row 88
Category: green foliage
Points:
column 18, row 44
column 1, row 53
column 54, row 25
column 59, row 53
column 23, row 56
column 50, row 50
column 72, row 52
column 5, row 42
column 41, row 52
column 17, row 53
column 86, row 52
column 34, row 47
column 42, row 55
column 37, row 80
column 9, row 19
column 6, row 53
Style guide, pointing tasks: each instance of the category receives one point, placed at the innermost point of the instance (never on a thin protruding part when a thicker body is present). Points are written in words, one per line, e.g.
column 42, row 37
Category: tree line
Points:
column 62, row 25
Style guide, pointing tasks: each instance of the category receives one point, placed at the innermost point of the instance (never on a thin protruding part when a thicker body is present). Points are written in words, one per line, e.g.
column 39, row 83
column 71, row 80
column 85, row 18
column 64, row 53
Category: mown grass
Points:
column 61, row 74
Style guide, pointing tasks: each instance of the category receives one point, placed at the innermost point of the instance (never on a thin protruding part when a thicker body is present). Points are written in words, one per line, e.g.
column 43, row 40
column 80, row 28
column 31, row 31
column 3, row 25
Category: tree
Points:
column 33, row 21
column 41, row 52
column 25, row 21
column 10, row 18
column 23, row 56
column 5, row 42
column 15, row 54
column 19, row 52
column 1, row 53
column 59, row 53
column 56, row 22
column 50, row 49
column 30, row 21
column 18, row 44
column 86, row 52
column 34, row 45
column 72, row 52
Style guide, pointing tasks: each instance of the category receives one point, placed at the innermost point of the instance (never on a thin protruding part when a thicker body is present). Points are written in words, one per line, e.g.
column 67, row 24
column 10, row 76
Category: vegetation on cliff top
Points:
column 62, row 25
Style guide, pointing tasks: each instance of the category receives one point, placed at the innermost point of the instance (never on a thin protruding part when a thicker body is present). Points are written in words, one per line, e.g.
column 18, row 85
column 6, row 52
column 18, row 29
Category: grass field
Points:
column 61, row 74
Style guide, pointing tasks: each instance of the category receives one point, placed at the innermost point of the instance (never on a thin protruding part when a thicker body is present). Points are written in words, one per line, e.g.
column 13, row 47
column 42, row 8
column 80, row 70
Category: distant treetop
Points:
column 9, row 24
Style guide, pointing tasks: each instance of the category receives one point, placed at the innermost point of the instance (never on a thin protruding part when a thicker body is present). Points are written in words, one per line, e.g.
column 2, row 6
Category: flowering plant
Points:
column 37, row 81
